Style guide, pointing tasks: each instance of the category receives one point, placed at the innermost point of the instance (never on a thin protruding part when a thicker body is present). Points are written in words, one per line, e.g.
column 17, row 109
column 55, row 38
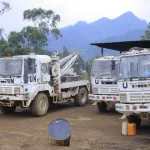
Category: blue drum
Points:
column 60, row 131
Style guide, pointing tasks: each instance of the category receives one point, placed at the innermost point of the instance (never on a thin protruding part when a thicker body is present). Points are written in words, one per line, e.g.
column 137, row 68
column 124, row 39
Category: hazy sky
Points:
column 72, row 11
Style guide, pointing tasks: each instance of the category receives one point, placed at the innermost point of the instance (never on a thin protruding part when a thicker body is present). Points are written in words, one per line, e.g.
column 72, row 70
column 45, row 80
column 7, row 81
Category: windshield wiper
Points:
column 13, row 74
column 105, row 74
column 131, row 78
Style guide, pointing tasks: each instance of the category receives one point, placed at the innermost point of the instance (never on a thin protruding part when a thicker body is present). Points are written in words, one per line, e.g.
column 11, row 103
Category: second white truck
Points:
column 104, row 82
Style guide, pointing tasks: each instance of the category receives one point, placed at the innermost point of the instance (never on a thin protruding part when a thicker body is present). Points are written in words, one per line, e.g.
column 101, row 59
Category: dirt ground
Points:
column 91, row 130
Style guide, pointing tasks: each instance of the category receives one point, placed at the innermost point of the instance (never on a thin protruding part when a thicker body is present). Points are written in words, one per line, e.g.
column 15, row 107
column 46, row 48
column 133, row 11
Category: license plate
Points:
column 119, row 107
column 144, row 115
column 91, row 96
column 143, row 107
column 109, row 97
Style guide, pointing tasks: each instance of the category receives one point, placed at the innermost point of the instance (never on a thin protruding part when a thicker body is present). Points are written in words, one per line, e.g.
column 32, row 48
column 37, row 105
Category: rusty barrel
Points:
column 60, row 132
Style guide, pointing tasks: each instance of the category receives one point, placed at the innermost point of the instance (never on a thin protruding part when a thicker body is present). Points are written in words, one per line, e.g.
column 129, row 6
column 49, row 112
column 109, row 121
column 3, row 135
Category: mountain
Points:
column 78, row 37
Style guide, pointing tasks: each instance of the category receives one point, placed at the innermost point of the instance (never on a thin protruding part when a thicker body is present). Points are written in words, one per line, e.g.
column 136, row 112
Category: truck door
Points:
column 30, row 70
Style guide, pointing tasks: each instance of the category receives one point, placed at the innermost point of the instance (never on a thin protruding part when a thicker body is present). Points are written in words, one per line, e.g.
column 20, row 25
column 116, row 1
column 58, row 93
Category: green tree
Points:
column 79, row 66
column 1, row 32
column 6, row 48
column 16, row 39
column 45, row 22
column 4, row 7
column 3, row 47
column 65, row 52
column 147, row 33
column 33, row 37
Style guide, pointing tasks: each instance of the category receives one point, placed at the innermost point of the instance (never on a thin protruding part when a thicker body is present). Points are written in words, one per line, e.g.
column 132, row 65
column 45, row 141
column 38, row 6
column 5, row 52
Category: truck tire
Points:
column 82, row 97
column 102, row 106
column 7, row 110
column 134, row 119
column 40, row 105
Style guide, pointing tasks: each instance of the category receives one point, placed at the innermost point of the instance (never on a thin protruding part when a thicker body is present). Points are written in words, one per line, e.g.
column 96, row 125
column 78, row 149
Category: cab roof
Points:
column 108, row 58
column 42, row 58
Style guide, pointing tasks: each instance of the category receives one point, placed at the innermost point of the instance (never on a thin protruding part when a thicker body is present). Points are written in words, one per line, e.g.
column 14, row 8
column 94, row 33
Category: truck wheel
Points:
column 7, row 110
column 40, row 105
column 134, row 119
column 82, row 97
column 102, row 106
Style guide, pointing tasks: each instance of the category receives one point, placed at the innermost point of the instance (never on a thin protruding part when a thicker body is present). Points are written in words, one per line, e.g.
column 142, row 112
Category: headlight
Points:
column 123, row 97
column 16, row 90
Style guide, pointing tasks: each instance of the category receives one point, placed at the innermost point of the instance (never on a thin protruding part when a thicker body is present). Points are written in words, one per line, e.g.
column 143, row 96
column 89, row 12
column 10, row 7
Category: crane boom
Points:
column 67, row 63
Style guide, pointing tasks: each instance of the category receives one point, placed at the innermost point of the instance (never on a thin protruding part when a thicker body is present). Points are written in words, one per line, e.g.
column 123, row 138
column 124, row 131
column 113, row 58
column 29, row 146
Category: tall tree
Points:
column 33, row 37
column 1, row 32
column 65, row 52
column 79, row 66
column 16, row 39
column 4, row 7
column 45, row 22
column 147, row 33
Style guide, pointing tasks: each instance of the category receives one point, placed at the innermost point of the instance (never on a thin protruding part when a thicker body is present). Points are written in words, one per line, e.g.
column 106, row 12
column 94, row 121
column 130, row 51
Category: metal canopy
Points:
column 123, row 46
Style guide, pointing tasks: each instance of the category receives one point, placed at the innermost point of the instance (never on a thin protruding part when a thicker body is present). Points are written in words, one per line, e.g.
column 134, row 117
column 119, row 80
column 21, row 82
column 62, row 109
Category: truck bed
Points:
column 72, row 84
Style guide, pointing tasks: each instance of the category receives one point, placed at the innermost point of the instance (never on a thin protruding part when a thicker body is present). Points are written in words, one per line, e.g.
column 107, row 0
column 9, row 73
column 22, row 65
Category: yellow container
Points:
column 131, row 129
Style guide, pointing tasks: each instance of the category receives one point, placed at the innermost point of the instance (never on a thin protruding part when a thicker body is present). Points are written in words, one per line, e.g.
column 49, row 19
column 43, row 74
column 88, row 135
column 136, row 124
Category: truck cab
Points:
column 134, row 85
column 21, row 78
column 104, row 82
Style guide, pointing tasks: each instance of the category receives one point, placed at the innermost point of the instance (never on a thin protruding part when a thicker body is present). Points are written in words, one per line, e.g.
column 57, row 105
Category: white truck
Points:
column 134, row 85
column 104, row 82
column 36, row 81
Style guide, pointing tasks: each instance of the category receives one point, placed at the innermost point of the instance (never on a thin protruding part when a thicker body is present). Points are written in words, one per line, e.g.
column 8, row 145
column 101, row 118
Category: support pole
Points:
column 101, row 51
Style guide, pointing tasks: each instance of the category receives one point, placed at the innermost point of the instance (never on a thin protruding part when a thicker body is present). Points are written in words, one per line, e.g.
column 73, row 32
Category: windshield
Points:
column 135, row 67
column 104, row 68
column 10, row 67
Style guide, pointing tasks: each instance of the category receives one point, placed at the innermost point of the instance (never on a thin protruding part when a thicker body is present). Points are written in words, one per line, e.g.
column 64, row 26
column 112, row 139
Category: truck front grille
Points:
column 6, row 90
column 139, row 97
column 109, row 90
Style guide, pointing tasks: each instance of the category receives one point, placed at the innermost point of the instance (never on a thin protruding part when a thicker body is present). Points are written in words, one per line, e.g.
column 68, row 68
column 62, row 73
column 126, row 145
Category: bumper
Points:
column 129, row 109
column 7, row 100
column 14, row 98
column 108, row 98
